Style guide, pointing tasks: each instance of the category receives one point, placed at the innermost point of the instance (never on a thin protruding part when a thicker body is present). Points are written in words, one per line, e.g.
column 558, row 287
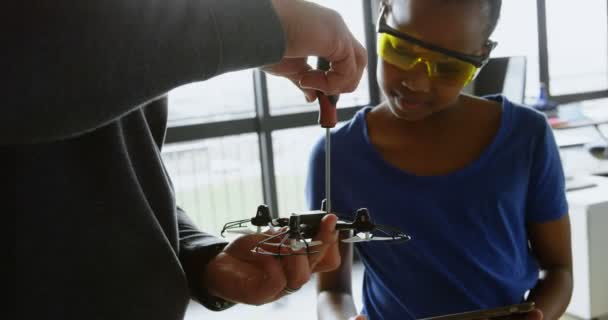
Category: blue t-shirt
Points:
column 469, row 248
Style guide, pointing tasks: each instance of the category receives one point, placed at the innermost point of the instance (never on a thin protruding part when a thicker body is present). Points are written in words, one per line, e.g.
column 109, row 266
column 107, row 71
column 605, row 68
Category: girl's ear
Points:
column 484, row 51
column 487, row 48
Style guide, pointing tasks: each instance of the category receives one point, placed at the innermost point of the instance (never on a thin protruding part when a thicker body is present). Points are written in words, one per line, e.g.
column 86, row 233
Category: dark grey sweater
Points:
column 98, row 233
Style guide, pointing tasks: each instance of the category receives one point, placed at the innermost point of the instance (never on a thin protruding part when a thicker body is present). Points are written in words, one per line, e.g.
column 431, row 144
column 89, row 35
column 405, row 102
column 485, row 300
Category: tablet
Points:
column 487, row 313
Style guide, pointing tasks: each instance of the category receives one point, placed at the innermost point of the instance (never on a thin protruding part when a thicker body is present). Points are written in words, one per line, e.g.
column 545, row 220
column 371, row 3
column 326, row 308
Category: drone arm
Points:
column 234, row 224
column 258, row 247
column 238, row 223
column 334, row 288
column 391, row 232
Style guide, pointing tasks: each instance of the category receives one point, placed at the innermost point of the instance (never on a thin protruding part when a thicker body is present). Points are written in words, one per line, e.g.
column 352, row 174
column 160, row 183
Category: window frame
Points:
column 264, row 123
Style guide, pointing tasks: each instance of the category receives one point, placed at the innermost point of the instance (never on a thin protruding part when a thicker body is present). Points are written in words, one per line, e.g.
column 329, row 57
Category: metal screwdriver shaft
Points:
column 328, row 168
column 327, row 119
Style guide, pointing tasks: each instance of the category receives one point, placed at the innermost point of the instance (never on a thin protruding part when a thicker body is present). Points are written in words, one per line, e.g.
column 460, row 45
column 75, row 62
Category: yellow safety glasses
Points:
column 439, row 67
column 442, row 65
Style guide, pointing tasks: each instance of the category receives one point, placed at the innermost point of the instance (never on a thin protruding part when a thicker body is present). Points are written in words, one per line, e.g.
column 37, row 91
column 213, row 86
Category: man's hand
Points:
column 242, row 276
column 312, row 30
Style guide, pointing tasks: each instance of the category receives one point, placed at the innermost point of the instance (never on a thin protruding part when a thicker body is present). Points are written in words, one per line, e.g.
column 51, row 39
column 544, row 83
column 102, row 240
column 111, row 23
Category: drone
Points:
column 294, row 235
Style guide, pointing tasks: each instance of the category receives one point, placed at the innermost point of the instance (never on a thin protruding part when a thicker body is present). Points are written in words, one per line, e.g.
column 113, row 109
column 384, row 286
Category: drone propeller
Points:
column 363, row 227
column 354, row 239
column 393, row 235
column 357, row 238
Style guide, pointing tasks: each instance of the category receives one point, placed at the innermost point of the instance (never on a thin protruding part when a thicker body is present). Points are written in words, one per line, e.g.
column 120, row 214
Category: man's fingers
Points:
column 332, row 82
column 317, row 80
column 349, row 72
column 309, row 94
column 361, row 58
column 331, row 259
column 343, row 72
column 329, row 256
column 291, row 68
column 256, row 281
column 313, row 30
column 344, row 75
column 262, row 276
column 294, row 69
column 297, row 270
column 294, row 266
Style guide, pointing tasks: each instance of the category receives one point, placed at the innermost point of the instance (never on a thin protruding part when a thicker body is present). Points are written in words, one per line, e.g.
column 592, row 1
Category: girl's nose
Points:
column 417, row 78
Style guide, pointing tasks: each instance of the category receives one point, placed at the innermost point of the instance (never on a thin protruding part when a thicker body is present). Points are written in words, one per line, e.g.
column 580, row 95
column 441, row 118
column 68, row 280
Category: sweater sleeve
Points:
column 196, row 250
column 87, row 63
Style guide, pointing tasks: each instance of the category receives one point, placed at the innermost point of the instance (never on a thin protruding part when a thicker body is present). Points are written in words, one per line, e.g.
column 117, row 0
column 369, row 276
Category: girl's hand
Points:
column 535, row 314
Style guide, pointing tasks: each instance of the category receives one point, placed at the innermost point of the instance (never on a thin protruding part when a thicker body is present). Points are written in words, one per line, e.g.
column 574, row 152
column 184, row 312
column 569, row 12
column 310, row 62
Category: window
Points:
column 216, row 175
column 577, row 42
column 291, row 163
column 517, row 35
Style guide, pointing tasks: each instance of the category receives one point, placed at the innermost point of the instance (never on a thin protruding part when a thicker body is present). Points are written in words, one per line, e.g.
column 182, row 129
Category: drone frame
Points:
column 364, row 224
column 303, row 226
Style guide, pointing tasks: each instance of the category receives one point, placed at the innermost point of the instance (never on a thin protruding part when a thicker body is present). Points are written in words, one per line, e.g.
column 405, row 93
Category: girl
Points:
column 476, row 182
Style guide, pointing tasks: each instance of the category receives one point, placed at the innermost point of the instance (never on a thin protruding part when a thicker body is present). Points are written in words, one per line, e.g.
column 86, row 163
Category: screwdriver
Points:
column 327, row 119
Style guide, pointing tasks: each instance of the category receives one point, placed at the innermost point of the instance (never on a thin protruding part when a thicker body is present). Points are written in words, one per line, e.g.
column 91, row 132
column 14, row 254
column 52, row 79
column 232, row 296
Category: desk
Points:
column 575, row 122
column 579, row 135
column 578, row 129
column 589, row 223
column 577, row 161
column 579, row 114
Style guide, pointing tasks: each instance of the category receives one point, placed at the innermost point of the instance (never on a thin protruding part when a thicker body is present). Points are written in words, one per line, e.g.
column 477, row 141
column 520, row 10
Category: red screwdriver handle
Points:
column 328, row 116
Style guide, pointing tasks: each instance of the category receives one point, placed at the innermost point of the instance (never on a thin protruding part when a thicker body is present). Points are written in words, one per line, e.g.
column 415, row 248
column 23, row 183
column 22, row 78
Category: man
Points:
column 99, row 235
